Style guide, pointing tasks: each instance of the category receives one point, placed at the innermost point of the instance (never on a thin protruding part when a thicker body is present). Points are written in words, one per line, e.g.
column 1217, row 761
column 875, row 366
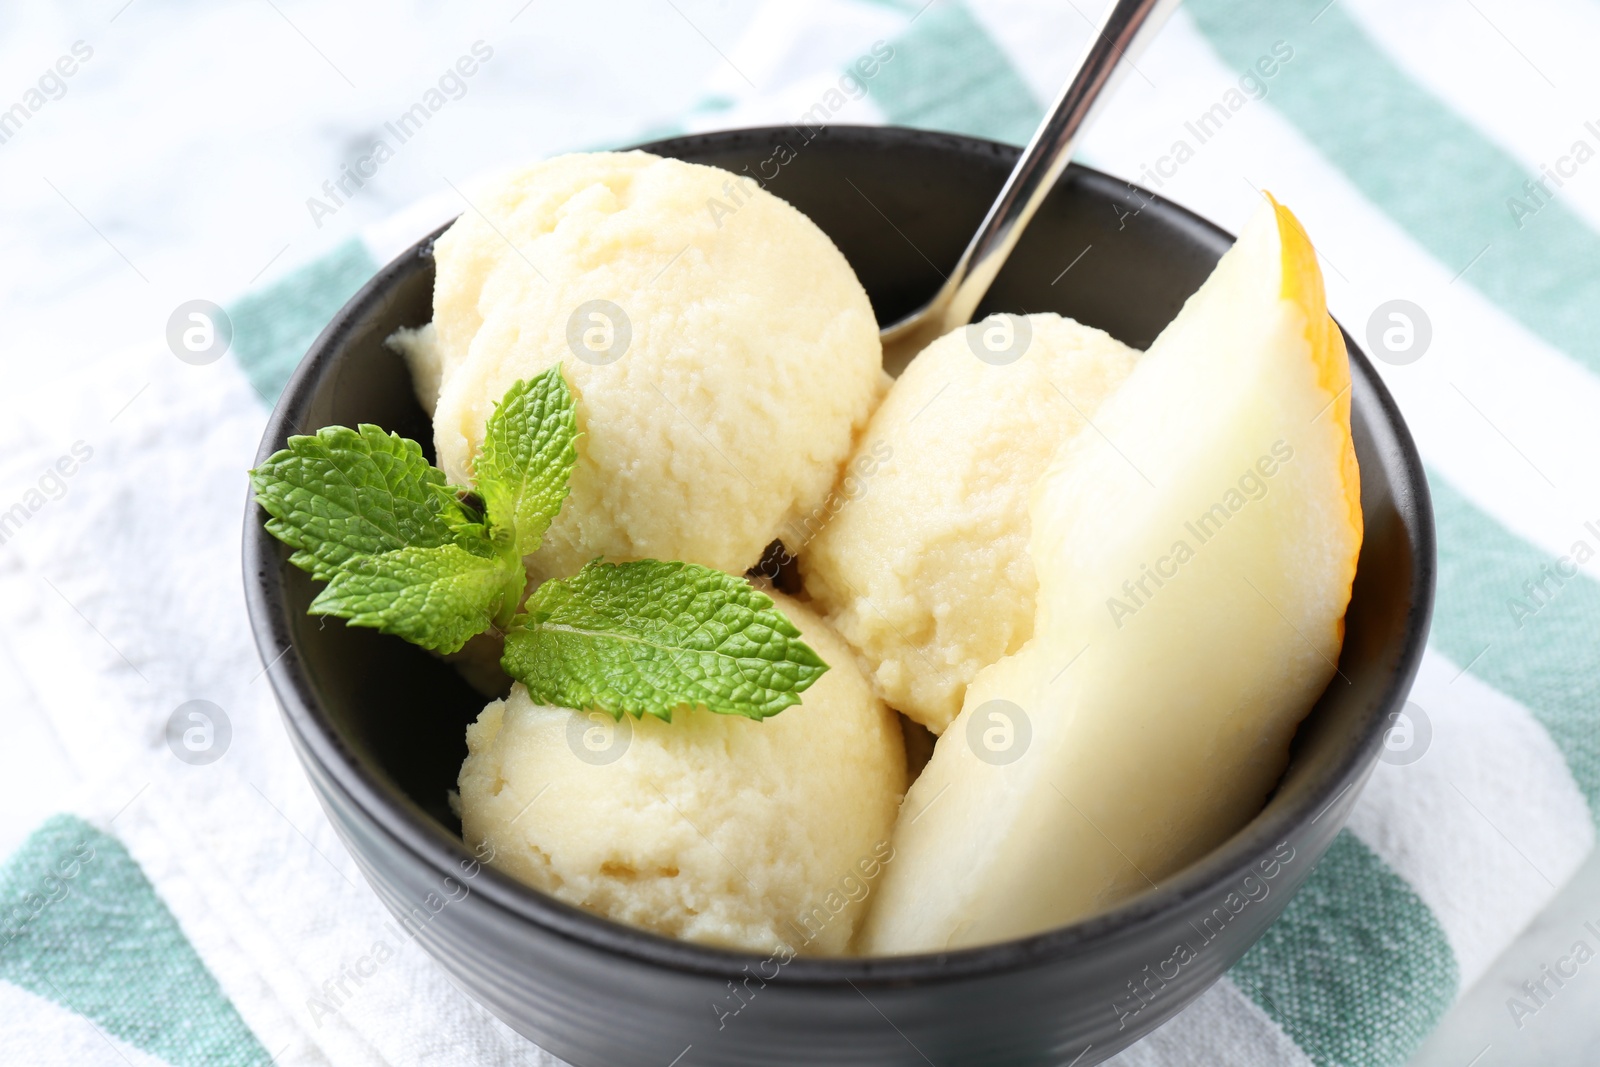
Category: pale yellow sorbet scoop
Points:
column 722, row 353
column 923, row 564
column 763, row 835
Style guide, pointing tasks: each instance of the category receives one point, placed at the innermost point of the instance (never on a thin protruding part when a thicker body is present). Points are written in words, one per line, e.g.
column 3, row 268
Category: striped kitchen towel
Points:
column 204, row 913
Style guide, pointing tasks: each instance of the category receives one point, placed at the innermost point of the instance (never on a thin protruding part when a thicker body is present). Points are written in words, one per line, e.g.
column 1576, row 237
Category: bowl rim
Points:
column 408, row 827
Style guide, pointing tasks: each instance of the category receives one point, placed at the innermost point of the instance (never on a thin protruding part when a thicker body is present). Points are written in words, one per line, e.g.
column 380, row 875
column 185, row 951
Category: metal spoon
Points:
column 1124, row 30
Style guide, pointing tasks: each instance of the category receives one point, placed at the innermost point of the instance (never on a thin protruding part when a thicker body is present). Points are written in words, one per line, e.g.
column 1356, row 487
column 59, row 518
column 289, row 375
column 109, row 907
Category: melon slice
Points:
column 1195, row 554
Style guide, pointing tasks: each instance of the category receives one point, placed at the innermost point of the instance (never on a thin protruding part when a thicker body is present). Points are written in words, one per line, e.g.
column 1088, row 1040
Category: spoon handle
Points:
column 1125, row 28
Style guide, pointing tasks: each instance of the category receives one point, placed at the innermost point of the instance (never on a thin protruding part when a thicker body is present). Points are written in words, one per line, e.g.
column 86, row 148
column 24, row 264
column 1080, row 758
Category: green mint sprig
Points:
column 402, row 551
column 407, row 554
column 651, row 636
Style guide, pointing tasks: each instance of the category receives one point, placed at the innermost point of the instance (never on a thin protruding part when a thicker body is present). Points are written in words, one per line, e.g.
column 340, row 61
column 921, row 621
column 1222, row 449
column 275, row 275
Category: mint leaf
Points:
column 409, row 555
column 529, row 450
column 434, row 597
column 400, row 549
column 652, row 637
column 464, row 517
column 342, row 494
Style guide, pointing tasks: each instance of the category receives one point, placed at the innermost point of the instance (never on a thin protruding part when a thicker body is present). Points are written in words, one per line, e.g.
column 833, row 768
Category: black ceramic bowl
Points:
column 379, row 724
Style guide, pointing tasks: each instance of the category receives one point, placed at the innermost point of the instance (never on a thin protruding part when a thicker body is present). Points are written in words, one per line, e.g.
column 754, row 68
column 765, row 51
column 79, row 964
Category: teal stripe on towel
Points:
column 1506, row 609
column 948, row 74
column 81, row 925
column 273, row 327
column 1426, row 167
column 1357, row 970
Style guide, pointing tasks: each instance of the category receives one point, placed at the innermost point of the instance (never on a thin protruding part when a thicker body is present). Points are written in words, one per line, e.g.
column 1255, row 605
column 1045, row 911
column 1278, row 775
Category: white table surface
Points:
column 177, row 166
